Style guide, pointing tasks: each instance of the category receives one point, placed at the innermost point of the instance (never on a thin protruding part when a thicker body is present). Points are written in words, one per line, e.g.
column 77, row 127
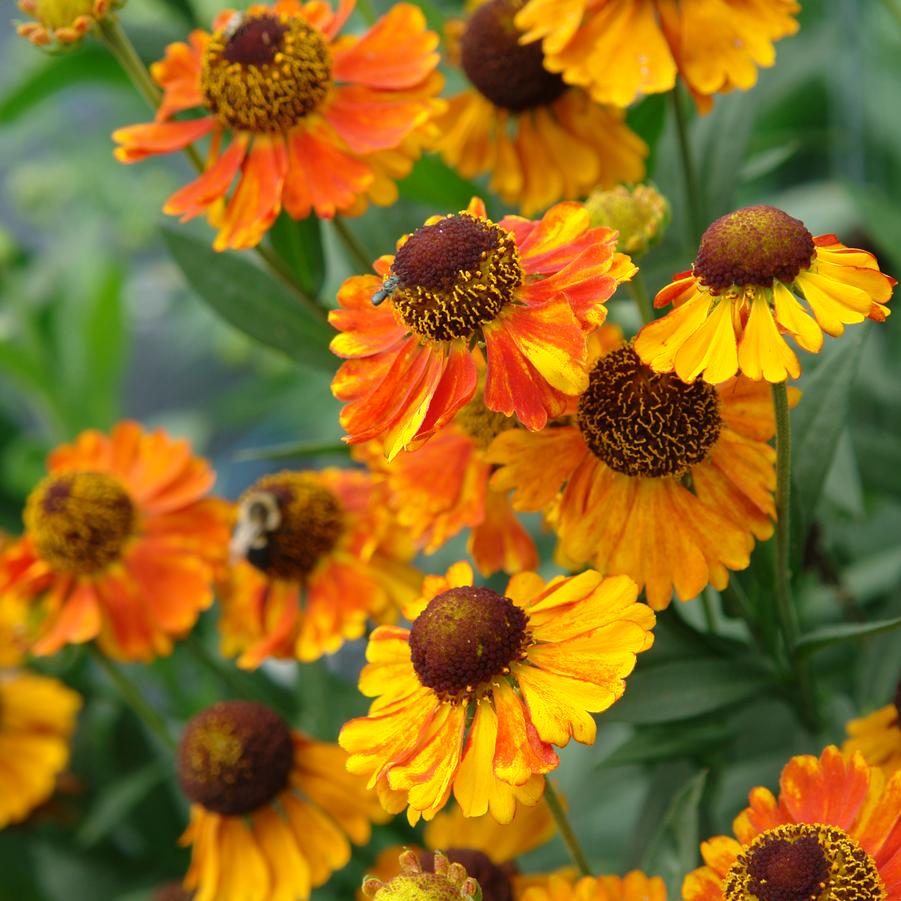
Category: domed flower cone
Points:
column 442, row 881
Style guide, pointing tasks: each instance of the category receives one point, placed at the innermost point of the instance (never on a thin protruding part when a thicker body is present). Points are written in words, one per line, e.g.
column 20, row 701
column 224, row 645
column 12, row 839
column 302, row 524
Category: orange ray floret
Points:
column 310, row 117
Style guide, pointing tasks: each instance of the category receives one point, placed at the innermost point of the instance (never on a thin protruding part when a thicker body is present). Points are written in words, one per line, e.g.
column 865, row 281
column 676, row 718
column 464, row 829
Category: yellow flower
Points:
column 541, row 139
column 878, row 737
column 63, row 21
column 474, row 696
column 37, row 718
column 744, row 294
column 634, row 886
column 273, row 812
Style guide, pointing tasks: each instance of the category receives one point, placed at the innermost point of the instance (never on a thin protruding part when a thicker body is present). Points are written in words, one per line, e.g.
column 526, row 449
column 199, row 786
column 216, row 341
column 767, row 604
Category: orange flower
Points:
column 878, row 736
column 612, row 481
column 734, row 308
column 530, row 291
column 474, row 696
column 833, row 833
column 317, row 122
column 540, row 139
column 620, row 49
column 634, row 886
column 120, row 544
column 317, row 554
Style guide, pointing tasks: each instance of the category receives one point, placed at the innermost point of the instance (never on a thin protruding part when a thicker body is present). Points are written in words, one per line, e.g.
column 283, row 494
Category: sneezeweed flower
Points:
column 540, row 139
column 272, row 811
column 121, row 544
column 621, row 49
column 444, row 881
column 316, row 121
column 634, row 886
column 878, row 737
column 316, row 554
column 832, row 834
column 529, row 291
column 441, row 488
column 667, row 482
column 639, row 214
column 61, row 22
column 37, row 719
column 474, row 696
column 759, row 276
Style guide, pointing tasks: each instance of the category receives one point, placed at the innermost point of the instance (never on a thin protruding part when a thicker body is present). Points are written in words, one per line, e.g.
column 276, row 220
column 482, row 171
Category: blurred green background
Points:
column 97, row 322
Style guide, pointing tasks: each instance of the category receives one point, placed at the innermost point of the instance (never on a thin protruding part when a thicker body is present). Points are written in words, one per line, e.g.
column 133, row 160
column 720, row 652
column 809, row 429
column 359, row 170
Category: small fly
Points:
column 386, row 290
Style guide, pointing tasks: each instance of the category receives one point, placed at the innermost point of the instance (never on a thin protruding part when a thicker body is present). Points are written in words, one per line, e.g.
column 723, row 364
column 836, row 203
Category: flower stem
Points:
column 689, row 171
column 565, row 829
column 152, row 720
column 639, row 293
column 709, row 611
column 352, row 245
column 788, row 621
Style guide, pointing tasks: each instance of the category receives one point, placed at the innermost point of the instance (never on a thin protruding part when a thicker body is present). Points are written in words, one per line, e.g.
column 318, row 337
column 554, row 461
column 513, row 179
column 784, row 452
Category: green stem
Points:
column 709, row 611
column 294, row 451
column 785, row 609
column 694, row 198
column 352, row 245
column 219, row 669
column 279, row 269
column 152, row 720
column 565, row 829
column 639, row 293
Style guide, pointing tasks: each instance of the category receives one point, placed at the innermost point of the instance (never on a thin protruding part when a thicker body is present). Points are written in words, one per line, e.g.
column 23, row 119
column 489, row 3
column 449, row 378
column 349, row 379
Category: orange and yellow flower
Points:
column 318, row 122
column 121, row 544
column 529, row 291
column 634, row 886
column 540, row 139
column 316, row 555
column 618, row 50
column 273, row 812
column 612, row 484
column 475, row 695
column 878, row 737
column 761, row 276
column 834, row 832
column 37, row 719
column 61, row 21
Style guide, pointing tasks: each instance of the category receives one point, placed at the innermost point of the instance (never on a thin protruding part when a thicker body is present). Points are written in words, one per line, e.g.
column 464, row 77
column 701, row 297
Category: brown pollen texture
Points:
column 495, row 880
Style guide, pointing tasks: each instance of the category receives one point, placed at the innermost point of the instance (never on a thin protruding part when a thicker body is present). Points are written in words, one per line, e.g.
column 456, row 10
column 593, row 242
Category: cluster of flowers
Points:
column 480, row 379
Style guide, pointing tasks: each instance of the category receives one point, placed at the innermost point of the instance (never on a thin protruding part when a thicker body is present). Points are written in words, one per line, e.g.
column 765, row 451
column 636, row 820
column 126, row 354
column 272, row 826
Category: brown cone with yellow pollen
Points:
column 446, row 882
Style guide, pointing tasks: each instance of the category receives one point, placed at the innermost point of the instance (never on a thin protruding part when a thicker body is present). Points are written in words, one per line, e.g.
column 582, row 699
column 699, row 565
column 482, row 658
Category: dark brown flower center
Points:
column 509, row 74
column 265, row 72
column 753, row 246
column 80, row 521
column 291, row 522
column 645, row 423
column 454, row 275
column 804, row 862
column 495, row 880
column 465, row 637
column 234, row 757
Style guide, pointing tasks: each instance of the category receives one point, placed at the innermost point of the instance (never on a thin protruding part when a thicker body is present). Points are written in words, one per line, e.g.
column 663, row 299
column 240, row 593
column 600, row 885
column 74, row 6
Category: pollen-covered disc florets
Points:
column 265, row 72
column 509, row 74
column 79, row 522
column 804, row 862
column 495, row 879
column 454, row 275
column 465, row 637
column 646, row 423
column 481, row 424
column 445, row 881
column 753, row 246
column 286, row 523
column 234, row 757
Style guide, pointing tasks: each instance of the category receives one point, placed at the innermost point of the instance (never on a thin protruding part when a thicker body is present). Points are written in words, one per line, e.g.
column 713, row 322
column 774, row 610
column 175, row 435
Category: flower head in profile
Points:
column 121, row 544
column 273, row 812
column 441, row 880
column 441, row 488
column 761, row 276
column 620, row 49
column 832, row 834
column 634, row 886
column 61, row 22
column 638, row 213
column 37, row 719
column 315, row 556
column 475, row 695
column 300, row 117
column 878, row 736
column 541, row 139
column 612, row 480
column 530, row 292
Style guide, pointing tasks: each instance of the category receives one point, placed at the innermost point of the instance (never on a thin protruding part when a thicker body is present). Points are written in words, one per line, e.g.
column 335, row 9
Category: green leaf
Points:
column 820, row 417
column 650, row 745
column 683, row 689
column 299, row 243
column 829, row 635
column 436, row 185
column 647, row 119
column 250, row 299
column 294, row 451
column 105, row 338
